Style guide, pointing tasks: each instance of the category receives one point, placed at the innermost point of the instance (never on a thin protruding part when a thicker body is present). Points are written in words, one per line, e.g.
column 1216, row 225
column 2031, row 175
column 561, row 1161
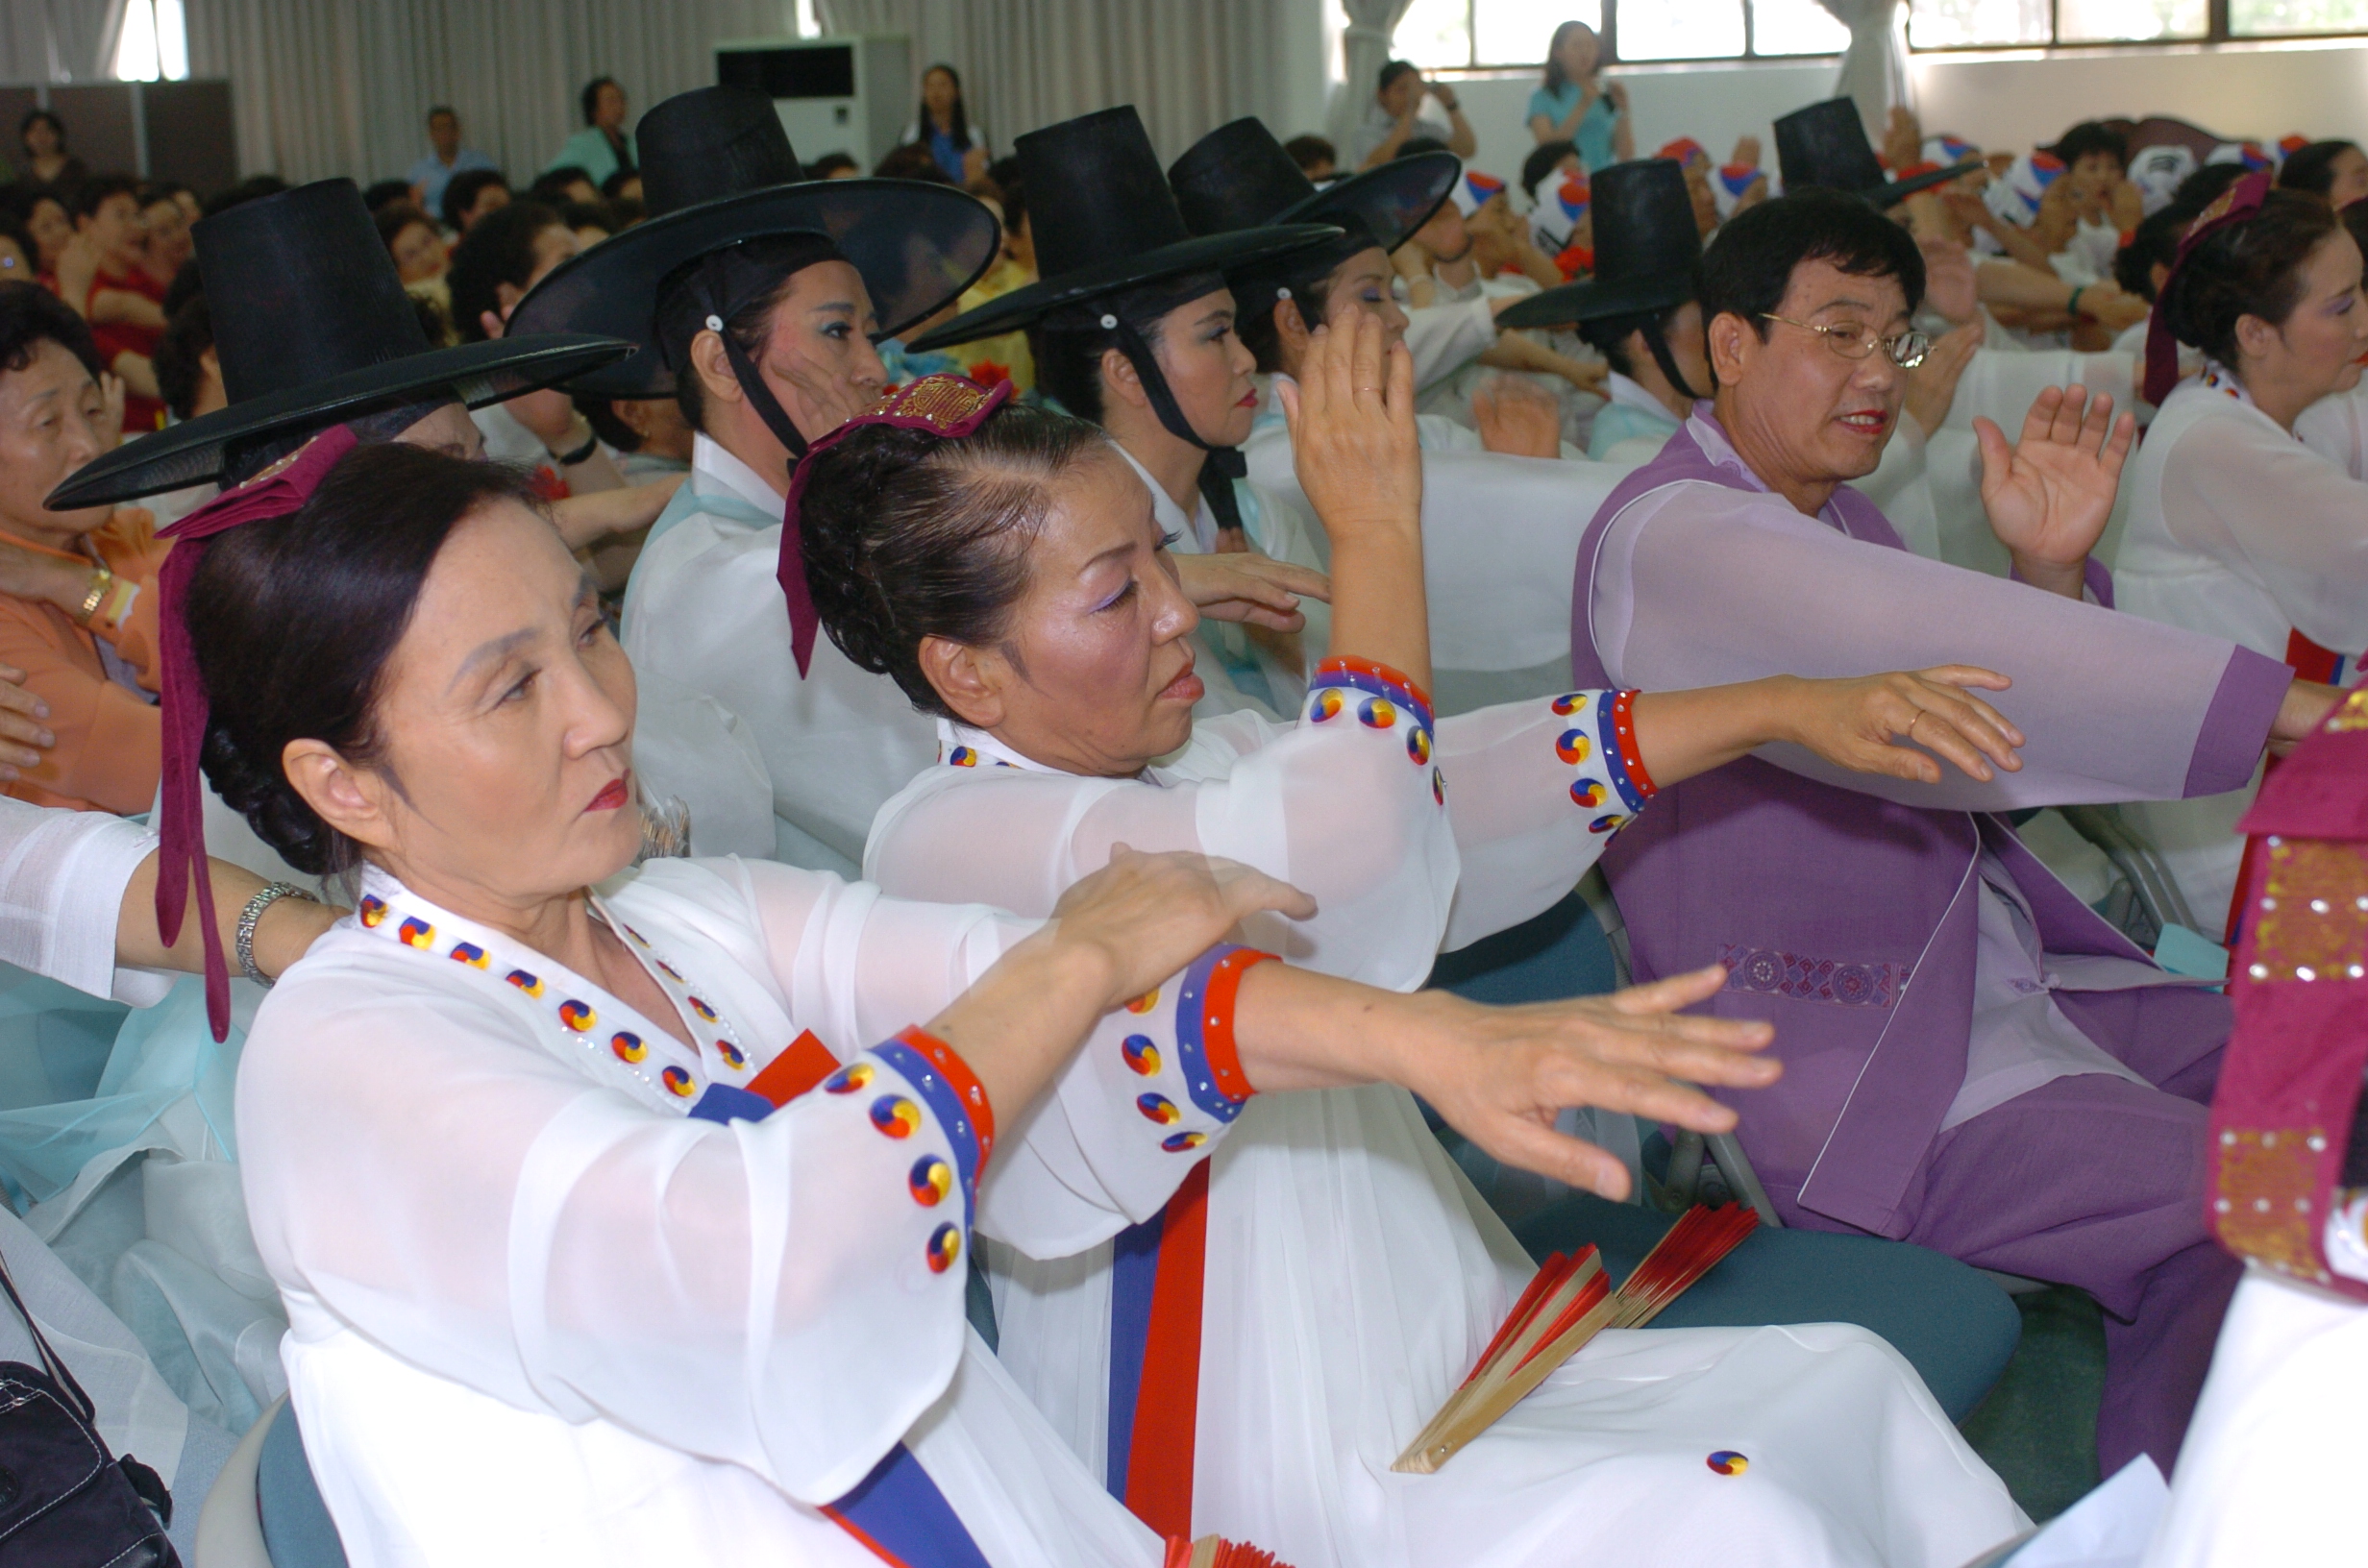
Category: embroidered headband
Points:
column 276, row 492
column 2235, row 205
column 944, row 405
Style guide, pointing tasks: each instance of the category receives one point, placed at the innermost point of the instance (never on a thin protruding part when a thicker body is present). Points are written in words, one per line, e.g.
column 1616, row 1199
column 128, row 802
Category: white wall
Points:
column 2008, row 102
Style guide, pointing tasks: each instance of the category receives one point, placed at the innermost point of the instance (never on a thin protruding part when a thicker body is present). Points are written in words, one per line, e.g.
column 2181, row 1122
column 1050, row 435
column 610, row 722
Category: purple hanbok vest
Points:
column 1849, row 922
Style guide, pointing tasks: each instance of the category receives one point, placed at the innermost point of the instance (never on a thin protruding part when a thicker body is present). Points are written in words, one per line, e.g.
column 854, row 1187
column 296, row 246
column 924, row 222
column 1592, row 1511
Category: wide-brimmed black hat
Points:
column 1104, row 221
column 716, row 170
column 1825, row 146
column 1647, row 250
column 1239, row 177
column 313, row 328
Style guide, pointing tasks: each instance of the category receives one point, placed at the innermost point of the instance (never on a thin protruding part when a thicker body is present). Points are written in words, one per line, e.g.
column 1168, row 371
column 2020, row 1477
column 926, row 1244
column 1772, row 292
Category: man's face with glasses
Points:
column 1819, row 393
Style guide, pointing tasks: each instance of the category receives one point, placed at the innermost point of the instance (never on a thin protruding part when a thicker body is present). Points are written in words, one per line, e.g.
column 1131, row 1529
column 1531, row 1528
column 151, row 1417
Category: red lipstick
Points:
column 614, row 794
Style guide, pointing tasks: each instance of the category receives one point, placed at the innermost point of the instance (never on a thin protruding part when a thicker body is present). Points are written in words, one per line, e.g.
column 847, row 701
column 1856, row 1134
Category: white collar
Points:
column 959, row 746
column 1196, row 534
column 1631, row 394
column 709, row 459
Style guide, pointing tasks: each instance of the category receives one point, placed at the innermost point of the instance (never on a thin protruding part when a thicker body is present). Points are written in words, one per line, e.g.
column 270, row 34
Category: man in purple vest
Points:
column 1974, row 1061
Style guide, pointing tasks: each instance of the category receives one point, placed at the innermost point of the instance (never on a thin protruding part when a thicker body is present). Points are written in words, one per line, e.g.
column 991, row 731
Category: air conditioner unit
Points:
column 852, row 95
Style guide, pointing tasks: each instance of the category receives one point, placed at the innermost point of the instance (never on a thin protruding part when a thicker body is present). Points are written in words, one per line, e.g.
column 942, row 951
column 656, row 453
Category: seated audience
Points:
column 166, row 222
column 470, row 197
column 1317, row 158
column 1395, row 116
column 81, row 622
column 834, row 166
column 51, row 228
column 624, row 185
column 107, row 279
column 445, row 157
column 41, row 135
column 563, row 186
column 411, row 238
column 18, row 251
column 650, row 436
column 2334, row 171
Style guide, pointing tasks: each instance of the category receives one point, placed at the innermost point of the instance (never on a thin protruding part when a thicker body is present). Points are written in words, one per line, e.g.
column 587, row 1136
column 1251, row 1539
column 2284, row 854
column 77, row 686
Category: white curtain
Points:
column 1365, row 49
column 1874, row 68
column 342, row 87
column 59, row 41
column 1188, row 67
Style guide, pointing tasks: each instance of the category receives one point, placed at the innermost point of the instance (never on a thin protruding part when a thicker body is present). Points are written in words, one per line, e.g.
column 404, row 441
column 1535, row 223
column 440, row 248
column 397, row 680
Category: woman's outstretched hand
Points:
column 1500, row 1075
column 1254, row 588
column 1860, row 724
column 1144, row 916
column 1353, row 443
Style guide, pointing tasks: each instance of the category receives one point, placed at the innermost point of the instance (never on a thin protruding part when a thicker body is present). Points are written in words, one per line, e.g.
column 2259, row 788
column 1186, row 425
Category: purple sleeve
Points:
column 2236, row 725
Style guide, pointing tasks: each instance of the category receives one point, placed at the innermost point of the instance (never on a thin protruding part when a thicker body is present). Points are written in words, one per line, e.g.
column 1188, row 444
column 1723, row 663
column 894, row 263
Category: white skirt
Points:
column 1352, row 1277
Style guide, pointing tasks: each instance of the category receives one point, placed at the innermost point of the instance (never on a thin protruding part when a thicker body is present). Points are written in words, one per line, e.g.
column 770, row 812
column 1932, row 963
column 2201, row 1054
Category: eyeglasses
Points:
column 1906, row 351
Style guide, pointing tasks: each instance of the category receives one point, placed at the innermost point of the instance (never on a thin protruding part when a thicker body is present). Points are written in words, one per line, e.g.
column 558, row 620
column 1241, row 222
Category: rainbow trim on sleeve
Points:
column 1213, row 1075
column 1344, row 675
column 955, row 1099
column 1615, row 722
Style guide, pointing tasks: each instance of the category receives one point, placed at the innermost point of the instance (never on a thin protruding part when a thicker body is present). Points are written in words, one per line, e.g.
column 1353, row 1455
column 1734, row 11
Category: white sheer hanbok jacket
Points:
column 2238, row 529
column 1351, row 1275
column 538, row 1315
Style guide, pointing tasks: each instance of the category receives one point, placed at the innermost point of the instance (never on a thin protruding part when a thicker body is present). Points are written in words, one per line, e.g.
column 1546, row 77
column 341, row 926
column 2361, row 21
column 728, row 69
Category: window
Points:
column 1996, row 24
column 1468, row 35
column 154, row 43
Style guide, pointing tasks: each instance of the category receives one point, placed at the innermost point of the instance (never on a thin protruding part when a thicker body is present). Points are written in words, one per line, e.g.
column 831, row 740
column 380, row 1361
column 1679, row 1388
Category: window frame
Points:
column 2217, row 30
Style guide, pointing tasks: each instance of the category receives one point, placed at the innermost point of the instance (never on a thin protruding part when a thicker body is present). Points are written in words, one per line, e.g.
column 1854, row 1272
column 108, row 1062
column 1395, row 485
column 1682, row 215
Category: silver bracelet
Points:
column 253, row 913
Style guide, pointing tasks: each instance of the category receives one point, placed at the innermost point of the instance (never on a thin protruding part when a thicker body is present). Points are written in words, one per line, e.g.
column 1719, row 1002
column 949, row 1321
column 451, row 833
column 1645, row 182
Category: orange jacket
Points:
column 108, row 738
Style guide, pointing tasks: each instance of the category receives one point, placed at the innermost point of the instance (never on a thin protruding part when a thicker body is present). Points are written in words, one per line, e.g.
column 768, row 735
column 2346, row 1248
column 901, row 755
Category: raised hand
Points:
column 1500, row 1075
column 2050, row 495
column 1353, row 442
column 1950, row 284
column 1517, row 417
column 1254, row 588
column 1858, row 723
column 1147, row 916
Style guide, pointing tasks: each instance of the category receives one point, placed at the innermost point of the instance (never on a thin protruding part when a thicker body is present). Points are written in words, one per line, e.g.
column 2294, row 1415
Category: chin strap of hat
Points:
column 719, row 310
column 1223, row 464
column 1658, row 341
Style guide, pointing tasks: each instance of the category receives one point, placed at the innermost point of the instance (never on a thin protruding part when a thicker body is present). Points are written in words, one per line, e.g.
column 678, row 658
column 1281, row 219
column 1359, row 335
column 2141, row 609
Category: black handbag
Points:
column 64, row 1501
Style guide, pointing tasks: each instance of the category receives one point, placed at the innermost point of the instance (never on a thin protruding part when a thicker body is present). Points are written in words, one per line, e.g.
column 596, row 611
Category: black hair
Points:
column 2251, row 268
column 31, row 315
column 551, row 186
column 591, row 100
column 1542, row 159
column 499, row 250
column 2312, row 168
column 293, row 619
column 248, row 190
column 830, row 164
column 99, row 189
column 2153, row 241
column 2200, row 190
column 462, row 189
column 443, row 109
column 395, row 218
column 1067, row 345
column 1390, row 72
column 601, row 416
column 1749, row 265
column 1308, row 275
column 1555, row 78
column 385, row 193
column 2092, row 137
column 2354, row 219
column 617, row 181
column 1012, row 193
column 910, row 535
column 681, row 314
column 34, row 117
column 589, row 216
column 959, row 132
column 911, row 160
column 1417, row 146
column 1307, row 150
column 179, row 354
